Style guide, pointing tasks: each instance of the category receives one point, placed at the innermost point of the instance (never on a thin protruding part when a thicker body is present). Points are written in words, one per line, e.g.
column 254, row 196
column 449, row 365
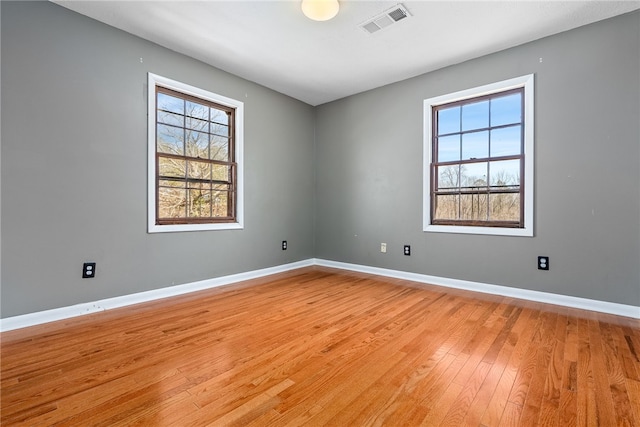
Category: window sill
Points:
column 194, row 227
column 489, row 231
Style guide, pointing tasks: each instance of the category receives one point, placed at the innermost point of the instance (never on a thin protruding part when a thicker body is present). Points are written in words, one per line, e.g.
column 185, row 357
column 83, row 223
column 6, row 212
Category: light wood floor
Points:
column 322, row 347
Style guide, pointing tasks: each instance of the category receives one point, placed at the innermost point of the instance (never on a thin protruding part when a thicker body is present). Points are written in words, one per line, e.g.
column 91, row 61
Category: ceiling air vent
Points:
column 386, row 18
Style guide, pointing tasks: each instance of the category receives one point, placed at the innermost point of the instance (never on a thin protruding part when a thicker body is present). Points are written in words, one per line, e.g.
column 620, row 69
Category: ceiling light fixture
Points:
column 320, row 10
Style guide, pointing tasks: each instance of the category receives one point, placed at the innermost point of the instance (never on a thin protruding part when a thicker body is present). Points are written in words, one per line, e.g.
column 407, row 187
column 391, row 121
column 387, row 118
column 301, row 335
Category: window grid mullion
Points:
column 459, row 175
column 522, row 171
column 489, row 133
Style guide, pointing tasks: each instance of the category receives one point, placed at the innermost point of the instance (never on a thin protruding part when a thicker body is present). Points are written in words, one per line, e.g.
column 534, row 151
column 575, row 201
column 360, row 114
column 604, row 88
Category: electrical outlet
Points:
column 284, row 245
column 88, row 270
column 407, row 250
column 383, row 248
column 543, row 263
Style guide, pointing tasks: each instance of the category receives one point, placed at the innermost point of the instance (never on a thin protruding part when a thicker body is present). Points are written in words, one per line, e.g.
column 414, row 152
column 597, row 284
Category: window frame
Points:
column 525, row 82
column 152, row 179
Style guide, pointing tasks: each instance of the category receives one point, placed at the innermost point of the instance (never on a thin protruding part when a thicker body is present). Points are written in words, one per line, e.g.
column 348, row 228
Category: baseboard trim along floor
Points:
column 32, row 319
column 545, row 297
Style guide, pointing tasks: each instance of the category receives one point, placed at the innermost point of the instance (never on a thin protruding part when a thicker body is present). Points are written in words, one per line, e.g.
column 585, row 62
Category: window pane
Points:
column 475, row 145
column 197, row 124
column 219, row 116
column 196, row 110
column 447, row 207
column 504, row 207
column 197, row 144
column 200, row 202
column 219, row 148
column 473, row 207
column 220, row 203
column 170, row 118
column 475, row 116
column 170, row 103
column 199, row 170
column 474, row 174
column 448, row 120
column 172, row 183
column 506, row 110
column 221, row 172
column 448, row 176
column 506, row 141
column 505, row 173
column 172, row 202
column 171, row 167
column 218, row 129
column 170, row 140
column 449, row 148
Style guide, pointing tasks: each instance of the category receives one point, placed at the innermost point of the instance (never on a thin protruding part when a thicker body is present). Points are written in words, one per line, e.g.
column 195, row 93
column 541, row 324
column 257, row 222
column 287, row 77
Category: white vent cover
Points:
column 386, row 18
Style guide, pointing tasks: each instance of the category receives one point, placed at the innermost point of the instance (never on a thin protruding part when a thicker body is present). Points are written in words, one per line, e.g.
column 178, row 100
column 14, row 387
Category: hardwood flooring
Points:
column 322, row 347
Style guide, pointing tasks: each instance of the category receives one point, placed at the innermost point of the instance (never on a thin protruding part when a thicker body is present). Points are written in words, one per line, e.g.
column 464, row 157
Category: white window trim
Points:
column 525, row 82
column 155, row 80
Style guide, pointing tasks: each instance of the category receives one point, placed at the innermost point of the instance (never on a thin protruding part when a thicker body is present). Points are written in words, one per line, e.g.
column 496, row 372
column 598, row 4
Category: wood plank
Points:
column 586, row 386
column 532, row 404
column 548, row 415
column 603, row 377
column 458, row 409
column 633, row 388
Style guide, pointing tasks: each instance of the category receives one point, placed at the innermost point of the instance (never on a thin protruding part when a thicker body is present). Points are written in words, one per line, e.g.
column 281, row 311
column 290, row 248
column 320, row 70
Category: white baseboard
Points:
column 545, row 297
column 62, row 313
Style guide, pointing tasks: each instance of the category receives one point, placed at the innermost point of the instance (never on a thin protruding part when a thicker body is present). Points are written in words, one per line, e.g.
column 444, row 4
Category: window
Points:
column 478, row 147
column 195, row 158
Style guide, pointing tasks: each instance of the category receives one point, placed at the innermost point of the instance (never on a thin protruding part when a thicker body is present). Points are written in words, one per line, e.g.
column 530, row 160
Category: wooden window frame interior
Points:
column 231, row 208
column 523, row 227
column 435, row 190
column 235, row 110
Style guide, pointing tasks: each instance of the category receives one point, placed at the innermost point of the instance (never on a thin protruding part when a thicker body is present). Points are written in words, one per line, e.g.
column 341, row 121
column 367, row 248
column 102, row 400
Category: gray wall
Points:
column 74, row 169
column 74, row 166
column 587, row 214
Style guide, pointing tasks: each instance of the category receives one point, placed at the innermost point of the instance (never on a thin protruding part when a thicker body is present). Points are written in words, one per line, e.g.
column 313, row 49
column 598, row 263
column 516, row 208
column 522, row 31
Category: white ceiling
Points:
column 272, row 43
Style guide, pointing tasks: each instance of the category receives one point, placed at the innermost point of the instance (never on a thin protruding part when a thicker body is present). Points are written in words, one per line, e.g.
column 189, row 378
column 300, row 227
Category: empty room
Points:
column 320, row 213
